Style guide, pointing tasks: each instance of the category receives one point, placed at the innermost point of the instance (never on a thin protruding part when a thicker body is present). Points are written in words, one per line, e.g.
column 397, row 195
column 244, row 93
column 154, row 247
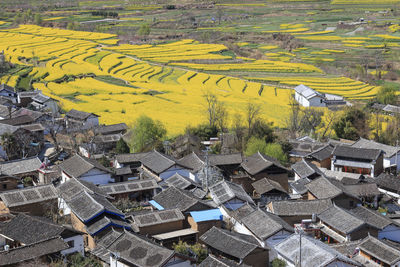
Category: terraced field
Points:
column 86, row 71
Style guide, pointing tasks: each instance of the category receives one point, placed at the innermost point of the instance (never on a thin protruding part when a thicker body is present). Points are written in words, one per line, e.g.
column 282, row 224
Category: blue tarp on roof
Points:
column 206, row 215
column 156, row 205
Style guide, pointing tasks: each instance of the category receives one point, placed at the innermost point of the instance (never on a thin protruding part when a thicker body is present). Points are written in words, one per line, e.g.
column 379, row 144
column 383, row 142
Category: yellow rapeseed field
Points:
column 87, row 71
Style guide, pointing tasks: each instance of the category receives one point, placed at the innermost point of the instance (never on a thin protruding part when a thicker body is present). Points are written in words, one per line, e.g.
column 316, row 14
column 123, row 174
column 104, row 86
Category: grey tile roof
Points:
column 242, row 212
column 212, row 261
column 16, row 121
column 100, row 250
column 179, row 181
column 225, row 159
column 322, row 153
column 388, row 182
column 380, row 250
column 33, row 251
column 258, row 162
column 323, row 188
column 157, row 162
column 77, row 166
column 306, row 91
column 140, row 252
column 20, row 166
column 356, row 153
column 346, row 248
column 29, row 230
column 5, row 128
column 265, row 224
column 192, row 161
column 230, row 243
column 225, row 191
column 73, row 187
column 32, row 113
column 79, row 115
column 130, row 157
column 340, row 175
column 86, row 206
column 29, row 195
column 158, row 217
column 35, row 127
column 370, row 144
column 40, row 98
column 341, row 220
column 362, row 190
column 129, row 186
column 103, row 222
column 305, row 169
column 391, row 108
column 300, row 185
column 372, row 217
column 300, row 207
column 107, row 129
column 314, row 252
column 266, row 185
column 173, row 197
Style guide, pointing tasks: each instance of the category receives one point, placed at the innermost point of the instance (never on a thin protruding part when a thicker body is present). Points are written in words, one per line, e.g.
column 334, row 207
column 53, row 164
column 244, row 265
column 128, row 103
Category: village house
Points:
column 157, row 222
column 387, row 228
column 163, row 166
column 192, row 161
column 204, row 220
column 136, row 190
column 268, row 229
column 322, row 188
column 266, row 190
column 389, row 184
column 337, row 225
column 313, row 253
column 229, row 195
column 357, row 160
column 132, row 250
column 185, row 201
column 185, row 145
column 94, row 215
column 322, row 156
column 34, row 254
column 371, row 250
column 227, row 163
column 305, row 169
column 181, row 182
column 303, row 146
column 35, row 200
column 261, row 166
column 294, row 212
column 119, row 128
column 391, row 156
column 127, row 166
column 308, row 97
column 86, row 169
column 23, row 230
column 43, row 103
column 238, row 247
column 8, row 92
column 299, row 189
column 83, row 120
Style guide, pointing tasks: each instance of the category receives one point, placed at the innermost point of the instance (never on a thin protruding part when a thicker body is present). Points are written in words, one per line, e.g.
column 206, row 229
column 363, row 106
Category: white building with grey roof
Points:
column 391, row 156
column 308, row 97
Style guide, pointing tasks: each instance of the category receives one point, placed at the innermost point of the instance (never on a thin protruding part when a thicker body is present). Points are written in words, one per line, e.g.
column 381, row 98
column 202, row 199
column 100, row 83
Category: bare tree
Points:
column 253, row 112
column 216, row 111
column 294, row 119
